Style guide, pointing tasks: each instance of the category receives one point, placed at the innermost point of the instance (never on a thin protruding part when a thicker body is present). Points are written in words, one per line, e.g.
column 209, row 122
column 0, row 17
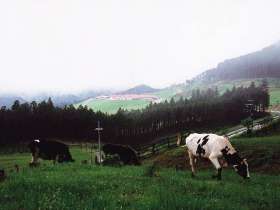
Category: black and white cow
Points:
column 127, row 154
column 49, row 150
column 215, row 148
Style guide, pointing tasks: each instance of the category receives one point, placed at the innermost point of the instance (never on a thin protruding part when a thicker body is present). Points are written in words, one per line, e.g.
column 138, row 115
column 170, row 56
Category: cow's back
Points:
column 50, row 149
column 206, row 144
column 125, row 152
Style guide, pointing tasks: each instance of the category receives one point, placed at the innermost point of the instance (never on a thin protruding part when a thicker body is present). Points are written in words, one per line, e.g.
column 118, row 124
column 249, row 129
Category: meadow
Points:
column 112, row 106
column 85, row 186
column 274, row 96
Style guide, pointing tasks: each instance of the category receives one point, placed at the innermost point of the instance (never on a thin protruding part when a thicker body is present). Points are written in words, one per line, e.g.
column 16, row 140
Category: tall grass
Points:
column 74, row 186
column 84, row 186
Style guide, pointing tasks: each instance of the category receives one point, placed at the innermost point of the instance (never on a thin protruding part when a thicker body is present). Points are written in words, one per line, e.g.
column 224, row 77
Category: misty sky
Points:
column 64, row 45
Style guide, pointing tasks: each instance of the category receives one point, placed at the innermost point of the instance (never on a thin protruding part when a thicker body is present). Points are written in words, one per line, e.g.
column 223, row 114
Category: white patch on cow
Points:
column 37, row 140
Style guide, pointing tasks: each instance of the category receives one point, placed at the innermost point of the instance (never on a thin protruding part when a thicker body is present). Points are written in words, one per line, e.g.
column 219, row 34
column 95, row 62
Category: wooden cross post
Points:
column 99, row 129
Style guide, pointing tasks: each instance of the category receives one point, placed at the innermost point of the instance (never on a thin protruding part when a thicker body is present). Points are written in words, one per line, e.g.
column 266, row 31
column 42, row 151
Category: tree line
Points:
column 261, row 64
column 203, row 110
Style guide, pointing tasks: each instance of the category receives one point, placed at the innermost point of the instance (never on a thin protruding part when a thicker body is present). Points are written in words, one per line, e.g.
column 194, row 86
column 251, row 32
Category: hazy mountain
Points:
column 8, row 100
column 260, row 64
column 58, row 99
column 140, row 89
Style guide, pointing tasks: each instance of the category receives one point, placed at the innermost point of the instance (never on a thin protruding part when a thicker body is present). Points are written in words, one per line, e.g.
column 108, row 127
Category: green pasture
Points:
column 274, row 96
column 85, row 186
column 110, row 106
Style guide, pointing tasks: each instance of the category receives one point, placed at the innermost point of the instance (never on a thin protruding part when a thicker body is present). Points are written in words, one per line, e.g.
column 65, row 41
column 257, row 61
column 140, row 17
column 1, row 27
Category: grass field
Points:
column 77, row 186
column 274, row 96
column 112, row 106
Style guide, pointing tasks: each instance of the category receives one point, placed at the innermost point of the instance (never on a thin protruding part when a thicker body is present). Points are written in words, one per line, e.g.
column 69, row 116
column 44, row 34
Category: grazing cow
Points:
column 127, row 154
column 49, row 150
column 214, row 147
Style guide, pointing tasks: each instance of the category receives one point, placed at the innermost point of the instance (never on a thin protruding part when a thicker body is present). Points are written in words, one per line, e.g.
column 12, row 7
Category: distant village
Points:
column 129, row 97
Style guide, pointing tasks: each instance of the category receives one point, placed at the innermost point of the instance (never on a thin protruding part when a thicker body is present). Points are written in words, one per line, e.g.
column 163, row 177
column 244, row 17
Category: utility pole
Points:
column 99, row 129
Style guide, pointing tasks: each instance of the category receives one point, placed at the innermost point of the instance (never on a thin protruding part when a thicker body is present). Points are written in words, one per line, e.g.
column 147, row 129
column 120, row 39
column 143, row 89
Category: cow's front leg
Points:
column 34, row 157
column 191, row 158
column 215, row 161
column 56, row 159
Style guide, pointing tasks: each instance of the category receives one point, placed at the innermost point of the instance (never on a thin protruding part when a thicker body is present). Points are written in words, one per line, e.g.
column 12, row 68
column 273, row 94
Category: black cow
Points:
column 127, row 154
column 49, row 150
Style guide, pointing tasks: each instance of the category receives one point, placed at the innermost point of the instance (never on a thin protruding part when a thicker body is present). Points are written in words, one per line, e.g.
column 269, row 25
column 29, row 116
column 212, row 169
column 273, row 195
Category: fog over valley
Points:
column 50, row 46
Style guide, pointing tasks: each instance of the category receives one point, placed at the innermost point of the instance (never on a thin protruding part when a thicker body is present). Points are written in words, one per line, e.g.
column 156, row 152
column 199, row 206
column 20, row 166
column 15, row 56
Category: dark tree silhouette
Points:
column 204, row 110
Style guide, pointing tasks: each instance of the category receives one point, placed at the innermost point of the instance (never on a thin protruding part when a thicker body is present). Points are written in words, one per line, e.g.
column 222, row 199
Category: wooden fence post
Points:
column 179, row 139
column 168, row 142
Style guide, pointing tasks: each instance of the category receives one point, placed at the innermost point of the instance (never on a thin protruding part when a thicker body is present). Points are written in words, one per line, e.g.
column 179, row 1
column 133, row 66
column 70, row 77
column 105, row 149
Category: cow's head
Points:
column 242, row 169
column 33, row 144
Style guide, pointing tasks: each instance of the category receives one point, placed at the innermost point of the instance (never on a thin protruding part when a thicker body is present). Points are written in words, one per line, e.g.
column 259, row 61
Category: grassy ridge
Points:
column 77, row 186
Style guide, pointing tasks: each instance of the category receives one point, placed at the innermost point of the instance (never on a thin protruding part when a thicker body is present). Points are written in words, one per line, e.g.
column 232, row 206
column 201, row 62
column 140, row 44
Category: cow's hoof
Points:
column 216, row 177
column 33, row 165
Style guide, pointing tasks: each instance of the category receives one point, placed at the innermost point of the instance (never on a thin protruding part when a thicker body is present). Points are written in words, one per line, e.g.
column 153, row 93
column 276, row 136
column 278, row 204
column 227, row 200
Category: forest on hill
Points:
column 261, row 64
column 205, row 109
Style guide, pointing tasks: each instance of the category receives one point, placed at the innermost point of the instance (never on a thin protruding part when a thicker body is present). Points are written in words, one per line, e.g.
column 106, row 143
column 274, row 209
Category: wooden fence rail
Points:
column 161, row 144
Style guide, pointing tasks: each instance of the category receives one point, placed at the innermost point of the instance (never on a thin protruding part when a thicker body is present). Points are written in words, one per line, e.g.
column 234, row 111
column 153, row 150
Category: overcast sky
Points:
column 64, row 45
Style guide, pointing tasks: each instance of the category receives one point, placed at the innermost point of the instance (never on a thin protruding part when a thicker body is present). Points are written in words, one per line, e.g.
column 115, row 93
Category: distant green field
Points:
column 274, row 96
column 181, row 90
column 113, row 106
column 110, row 106
column 83, row 186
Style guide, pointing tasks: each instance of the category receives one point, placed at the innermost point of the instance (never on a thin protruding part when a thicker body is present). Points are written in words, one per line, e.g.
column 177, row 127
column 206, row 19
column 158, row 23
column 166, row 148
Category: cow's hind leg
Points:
column 217, row 165
column 191, row 159
column 34, row 156
column 56, row 159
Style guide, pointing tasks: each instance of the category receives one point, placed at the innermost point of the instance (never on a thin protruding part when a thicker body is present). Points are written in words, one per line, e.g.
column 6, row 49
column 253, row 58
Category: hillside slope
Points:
column 262, row 153
column 260, row 64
